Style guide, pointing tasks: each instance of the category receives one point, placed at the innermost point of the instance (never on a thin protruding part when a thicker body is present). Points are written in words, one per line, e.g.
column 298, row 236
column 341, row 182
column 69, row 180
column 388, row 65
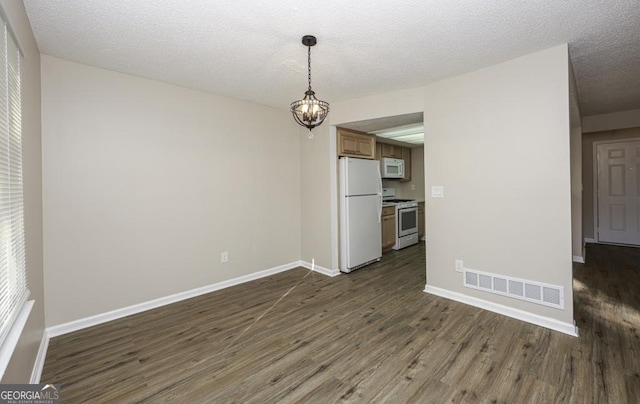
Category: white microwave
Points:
column 392, row 168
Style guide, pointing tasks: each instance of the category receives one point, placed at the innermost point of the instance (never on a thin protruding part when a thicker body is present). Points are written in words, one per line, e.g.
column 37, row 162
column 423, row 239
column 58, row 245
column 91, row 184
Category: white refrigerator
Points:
column 360, row 210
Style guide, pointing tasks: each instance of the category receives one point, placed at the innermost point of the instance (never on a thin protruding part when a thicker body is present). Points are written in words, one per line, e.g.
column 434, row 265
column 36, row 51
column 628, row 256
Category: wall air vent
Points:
column 530, row 291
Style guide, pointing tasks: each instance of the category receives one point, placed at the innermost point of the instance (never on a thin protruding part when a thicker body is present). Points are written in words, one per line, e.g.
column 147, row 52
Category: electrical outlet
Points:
column 224, row 257
column 413, row 187
column 459, row 266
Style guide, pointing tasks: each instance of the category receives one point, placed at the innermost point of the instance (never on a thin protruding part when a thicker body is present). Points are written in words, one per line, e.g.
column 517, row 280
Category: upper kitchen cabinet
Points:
column 406, row 156
column 392, row 151
column 356, row 144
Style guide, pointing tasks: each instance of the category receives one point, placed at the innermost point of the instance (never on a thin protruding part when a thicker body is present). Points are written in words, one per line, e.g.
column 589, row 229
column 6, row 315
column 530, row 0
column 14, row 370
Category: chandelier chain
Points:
column 309, row 64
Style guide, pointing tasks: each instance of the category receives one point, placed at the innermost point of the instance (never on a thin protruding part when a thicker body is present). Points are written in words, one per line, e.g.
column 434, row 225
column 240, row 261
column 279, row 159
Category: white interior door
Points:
column 619, row 192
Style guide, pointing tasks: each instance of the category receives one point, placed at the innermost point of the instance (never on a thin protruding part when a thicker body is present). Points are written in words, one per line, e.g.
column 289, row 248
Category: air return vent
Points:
column 530, row 291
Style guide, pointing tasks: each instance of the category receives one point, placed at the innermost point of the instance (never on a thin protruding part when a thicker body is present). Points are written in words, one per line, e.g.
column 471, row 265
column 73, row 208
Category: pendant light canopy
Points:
column 309, row 111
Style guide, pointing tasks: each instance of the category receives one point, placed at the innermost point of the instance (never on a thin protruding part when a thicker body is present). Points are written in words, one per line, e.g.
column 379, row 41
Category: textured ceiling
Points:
column 251, row 49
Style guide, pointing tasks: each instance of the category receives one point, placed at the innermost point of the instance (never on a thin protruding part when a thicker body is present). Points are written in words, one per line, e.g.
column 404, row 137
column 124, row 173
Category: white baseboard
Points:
column 541, row 321
column 82, row 323
column 36, row 373
column 321, row 270
column 590, row 240
column 578, row 259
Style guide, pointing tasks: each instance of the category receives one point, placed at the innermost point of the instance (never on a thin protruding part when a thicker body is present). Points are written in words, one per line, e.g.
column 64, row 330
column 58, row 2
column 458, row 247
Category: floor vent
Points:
column 530, row 291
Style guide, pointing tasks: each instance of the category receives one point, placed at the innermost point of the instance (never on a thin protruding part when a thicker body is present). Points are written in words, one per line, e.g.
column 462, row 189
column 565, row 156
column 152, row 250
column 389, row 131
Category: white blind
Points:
column 13, row 279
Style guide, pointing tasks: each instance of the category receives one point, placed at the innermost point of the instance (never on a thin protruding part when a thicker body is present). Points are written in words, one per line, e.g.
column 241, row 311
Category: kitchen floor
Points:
column 411, row 259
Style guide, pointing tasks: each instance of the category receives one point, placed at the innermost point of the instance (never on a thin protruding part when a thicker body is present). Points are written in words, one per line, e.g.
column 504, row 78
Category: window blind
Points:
column 13, row 279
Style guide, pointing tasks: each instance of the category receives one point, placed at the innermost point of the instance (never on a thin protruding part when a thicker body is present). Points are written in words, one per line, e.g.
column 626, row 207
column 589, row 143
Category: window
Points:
column 13, row 279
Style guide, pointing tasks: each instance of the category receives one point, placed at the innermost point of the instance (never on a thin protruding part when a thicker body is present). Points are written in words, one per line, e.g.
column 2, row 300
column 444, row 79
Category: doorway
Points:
column 394, row 131
column 618, row 192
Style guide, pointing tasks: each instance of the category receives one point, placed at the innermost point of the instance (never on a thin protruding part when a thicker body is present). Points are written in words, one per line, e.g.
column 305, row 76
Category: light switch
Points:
column 437, row 191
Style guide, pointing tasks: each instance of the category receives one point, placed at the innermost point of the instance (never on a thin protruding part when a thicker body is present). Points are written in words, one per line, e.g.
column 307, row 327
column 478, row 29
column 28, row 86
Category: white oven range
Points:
column 406, row 218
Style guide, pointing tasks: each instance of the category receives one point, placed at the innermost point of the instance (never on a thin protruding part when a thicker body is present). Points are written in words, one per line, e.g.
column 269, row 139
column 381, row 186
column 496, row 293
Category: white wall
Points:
column 22, row 361
column 577, row 242
column 497, row 139
column 612, row 121
column 377, row 106
column 146, row 183
column 315, row 187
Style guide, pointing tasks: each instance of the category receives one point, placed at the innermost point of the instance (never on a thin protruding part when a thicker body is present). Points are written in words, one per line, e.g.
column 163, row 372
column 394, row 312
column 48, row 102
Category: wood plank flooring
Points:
column 369, row 336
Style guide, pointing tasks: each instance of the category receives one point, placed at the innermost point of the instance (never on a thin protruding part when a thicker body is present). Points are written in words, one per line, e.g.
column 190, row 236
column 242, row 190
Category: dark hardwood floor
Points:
column 369, row 336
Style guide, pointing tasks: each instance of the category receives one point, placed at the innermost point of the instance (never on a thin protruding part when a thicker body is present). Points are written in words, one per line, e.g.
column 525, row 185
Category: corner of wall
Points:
column 315, row 199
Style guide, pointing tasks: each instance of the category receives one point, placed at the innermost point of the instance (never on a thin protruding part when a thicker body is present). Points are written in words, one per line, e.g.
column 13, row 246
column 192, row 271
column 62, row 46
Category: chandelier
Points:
column 309, row 111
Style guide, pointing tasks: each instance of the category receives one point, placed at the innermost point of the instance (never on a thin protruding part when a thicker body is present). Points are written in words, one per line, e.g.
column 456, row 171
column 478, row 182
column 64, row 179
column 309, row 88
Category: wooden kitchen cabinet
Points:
column 420, row 220
column 392, row 151
column 388, row 227
column 406, row 156
column 356, row 144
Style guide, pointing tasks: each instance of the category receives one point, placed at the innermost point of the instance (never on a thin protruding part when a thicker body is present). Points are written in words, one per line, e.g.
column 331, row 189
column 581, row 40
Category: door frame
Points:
column 596, row 224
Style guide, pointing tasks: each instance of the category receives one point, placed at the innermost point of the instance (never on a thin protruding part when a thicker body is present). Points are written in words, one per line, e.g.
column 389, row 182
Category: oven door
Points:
column 407, row 221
